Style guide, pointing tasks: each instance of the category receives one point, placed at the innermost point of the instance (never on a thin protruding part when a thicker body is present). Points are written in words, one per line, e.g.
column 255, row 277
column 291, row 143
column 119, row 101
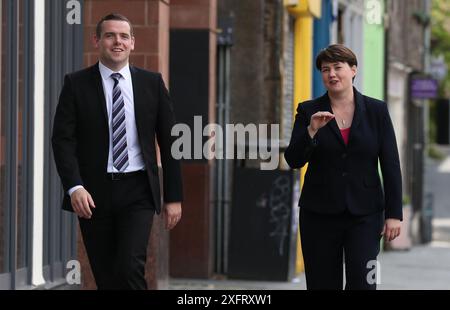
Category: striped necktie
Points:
column 119, row 131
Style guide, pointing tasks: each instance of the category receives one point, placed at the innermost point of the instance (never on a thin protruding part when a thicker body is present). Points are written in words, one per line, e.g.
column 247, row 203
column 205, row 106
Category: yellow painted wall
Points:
column 304, row 12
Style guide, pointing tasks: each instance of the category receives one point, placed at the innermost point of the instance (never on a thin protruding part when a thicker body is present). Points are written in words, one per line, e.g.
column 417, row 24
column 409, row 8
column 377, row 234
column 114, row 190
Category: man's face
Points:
column 115, row 44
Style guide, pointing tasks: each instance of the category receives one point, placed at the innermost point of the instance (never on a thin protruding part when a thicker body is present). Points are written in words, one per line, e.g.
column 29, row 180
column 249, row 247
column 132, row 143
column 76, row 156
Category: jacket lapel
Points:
column 325, row 105
column 138, row 97
column 99, row 87
column 358, row 114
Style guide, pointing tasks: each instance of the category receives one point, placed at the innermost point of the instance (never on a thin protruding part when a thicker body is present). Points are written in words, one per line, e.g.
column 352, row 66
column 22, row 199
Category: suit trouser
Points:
column 116, row 236
column 328, row 240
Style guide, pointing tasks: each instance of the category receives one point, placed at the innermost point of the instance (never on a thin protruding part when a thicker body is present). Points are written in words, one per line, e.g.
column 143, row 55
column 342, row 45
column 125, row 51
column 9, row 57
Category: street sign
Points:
column 438, row 67
column 424, row 88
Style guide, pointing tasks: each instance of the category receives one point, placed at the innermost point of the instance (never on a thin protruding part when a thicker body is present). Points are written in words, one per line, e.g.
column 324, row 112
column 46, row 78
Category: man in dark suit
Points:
column 104, row 145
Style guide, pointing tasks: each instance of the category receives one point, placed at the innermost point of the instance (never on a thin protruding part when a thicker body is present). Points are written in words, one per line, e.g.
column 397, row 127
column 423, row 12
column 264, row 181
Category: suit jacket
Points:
column 81, row 134
column 341, row 176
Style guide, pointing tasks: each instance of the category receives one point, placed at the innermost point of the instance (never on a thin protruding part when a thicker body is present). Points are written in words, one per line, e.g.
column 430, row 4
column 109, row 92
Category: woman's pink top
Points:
column 345, row 132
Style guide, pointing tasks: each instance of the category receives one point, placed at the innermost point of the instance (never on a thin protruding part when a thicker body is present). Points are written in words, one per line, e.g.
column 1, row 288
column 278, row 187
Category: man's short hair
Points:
column 112, row 16
column 336, row 53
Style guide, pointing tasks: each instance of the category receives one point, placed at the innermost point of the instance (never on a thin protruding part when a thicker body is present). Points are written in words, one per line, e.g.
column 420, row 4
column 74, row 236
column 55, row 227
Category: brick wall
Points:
column 150, row 19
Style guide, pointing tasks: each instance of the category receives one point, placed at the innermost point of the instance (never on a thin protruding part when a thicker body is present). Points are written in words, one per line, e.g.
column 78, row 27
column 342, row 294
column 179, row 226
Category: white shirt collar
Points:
column 106, row 72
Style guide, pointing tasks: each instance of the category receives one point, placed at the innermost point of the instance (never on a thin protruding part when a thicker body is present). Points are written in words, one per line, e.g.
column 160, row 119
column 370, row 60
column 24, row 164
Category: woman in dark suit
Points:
column 344, row 209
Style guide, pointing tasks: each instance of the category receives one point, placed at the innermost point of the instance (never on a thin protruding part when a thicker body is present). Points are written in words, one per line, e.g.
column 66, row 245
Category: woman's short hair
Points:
column 336, row 53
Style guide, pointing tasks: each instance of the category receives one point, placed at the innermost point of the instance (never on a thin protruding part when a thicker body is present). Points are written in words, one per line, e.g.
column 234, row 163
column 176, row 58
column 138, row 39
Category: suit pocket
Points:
column 372, row 181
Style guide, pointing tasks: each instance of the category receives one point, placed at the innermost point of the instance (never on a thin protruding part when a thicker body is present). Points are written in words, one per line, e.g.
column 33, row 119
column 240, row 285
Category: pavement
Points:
column 421, row 267
column 437, row 184
column 424, row 267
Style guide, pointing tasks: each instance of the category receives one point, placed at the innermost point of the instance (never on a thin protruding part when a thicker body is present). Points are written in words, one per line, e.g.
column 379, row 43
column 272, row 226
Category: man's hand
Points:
column 391, row 229
column 172, row 214
column 82, row 203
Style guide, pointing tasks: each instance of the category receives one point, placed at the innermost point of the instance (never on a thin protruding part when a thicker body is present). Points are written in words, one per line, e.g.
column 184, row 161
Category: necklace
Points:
column 342, row 120
column 345, row 110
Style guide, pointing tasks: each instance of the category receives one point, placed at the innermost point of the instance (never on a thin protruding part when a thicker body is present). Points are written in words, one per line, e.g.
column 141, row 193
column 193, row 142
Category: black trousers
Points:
column 116, row 236
column 329, row 240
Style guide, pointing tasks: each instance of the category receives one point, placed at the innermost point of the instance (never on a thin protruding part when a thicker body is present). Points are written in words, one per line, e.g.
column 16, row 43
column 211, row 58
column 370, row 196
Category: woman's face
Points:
column 337, row 76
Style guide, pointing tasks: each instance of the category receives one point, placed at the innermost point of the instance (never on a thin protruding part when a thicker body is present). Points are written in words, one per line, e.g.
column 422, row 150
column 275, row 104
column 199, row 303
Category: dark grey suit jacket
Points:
column 345, row 177
column 81, row 134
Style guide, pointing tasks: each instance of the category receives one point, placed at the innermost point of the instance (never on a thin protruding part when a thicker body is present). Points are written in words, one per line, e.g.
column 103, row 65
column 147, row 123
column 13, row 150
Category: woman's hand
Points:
column 391, row 229
column 318, row 120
